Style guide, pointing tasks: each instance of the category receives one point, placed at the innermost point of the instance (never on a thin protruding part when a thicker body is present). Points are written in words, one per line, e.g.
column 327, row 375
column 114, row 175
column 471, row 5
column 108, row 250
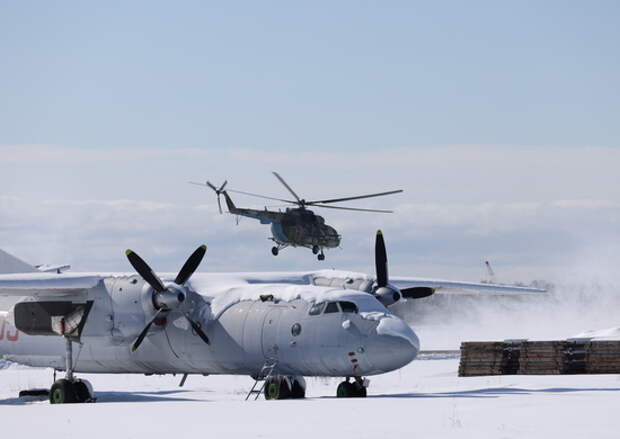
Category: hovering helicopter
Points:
column 297, row 226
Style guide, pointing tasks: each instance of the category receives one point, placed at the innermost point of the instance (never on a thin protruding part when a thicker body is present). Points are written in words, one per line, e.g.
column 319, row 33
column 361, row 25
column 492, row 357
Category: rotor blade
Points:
column 136, row 344
column 223, row 186
column 198, row 184
column 353, row 208
column 219, row 203
column 211, row 186
column 191, row 265
column 357, row 197
column 381, row 268
column 287, row 186
column 196, row 327
column 144, row 270
column 261, row 196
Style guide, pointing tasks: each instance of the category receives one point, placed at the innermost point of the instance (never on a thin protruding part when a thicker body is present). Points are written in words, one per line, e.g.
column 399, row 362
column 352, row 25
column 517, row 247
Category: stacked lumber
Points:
column 559, row 357
column 541, row 358
column 603, row 357
column 481, row 358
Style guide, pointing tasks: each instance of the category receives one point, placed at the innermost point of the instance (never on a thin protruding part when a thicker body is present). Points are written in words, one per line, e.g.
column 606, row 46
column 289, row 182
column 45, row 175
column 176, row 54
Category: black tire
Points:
column 345, row 390
column 63, row 392
column 360, row 391
column 82, row 392
column 277, row 388
column 315, row 249
column 321, row 257
column 274, row 251
column 298, row 391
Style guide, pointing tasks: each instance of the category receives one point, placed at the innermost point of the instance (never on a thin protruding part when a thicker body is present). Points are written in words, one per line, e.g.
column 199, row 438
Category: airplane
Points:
column 275, row 327
column 296, row 227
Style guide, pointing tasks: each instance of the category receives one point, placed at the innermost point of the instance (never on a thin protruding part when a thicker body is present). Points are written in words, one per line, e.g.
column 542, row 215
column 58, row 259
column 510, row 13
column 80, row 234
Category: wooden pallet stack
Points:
column 603, row 357
column 558, row 357
column 481, row 358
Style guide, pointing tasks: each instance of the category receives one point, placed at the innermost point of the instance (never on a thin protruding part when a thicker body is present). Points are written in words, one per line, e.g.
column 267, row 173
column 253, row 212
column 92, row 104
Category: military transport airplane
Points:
column 275, row 327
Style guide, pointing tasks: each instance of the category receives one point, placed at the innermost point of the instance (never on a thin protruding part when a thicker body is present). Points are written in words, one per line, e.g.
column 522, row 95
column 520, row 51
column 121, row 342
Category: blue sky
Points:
column 319, row 75
column 499, row 119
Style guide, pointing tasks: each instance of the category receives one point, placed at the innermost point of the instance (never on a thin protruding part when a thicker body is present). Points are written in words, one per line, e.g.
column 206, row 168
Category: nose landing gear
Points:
column 355, row 389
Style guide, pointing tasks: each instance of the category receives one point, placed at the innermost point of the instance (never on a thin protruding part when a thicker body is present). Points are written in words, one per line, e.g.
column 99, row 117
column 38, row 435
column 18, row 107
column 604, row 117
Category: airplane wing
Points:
column 458, row 287
column 46, row 285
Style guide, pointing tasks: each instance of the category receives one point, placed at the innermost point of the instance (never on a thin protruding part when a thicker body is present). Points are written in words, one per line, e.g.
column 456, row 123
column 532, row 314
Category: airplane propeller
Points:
column 385, row 292
column 168, row 297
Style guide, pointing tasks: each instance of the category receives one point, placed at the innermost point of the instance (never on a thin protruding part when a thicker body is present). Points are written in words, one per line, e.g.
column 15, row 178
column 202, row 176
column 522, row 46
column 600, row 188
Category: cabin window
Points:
column 317, row 309
column 331, row 308
column 348, row 307
column 296, row 329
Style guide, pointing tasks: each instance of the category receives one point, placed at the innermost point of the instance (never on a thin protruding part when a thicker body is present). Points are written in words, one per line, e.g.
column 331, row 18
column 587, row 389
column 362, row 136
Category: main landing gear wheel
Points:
column 353, row 389
column 274, row 251
column 64, row 391
column 315, row 249
column 285, row 388
column 321, row 257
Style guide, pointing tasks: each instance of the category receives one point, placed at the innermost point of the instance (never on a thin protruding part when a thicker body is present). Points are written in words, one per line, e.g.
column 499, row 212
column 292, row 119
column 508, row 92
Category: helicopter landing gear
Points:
column 275, row 250
column 321, row 256
column 315, row 249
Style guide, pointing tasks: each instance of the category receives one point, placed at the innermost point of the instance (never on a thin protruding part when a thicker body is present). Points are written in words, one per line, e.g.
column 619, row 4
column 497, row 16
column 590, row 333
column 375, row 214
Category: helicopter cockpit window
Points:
column 316, row 309
column 331, row 308
column 348, row 307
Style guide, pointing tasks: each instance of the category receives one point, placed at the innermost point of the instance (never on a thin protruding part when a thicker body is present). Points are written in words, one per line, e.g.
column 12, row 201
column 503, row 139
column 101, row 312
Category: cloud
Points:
column 532, row 211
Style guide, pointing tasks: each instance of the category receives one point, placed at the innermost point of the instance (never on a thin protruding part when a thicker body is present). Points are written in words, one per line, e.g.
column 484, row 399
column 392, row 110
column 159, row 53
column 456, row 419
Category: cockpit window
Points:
column 348, row 307
column 331, row 307
column 316, row 309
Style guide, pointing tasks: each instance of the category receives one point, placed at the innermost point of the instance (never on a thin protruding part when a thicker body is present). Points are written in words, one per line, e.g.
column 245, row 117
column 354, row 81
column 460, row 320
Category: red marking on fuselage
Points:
column 9, row 336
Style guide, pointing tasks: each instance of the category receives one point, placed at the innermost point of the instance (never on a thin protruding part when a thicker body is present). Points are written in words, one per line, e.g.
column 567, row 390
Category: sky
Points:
column 498, row 119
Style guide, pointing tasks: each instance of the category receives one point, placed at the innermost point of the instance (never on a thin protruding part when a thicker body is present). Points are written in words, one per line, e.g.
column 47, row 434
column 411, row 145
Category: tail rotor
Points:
column 217, row 190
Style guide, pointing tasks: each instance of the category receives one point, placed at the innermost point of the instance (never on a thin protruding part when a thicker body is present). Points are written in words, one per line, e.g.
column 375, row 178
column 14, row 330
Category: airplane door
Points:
column 270, row 332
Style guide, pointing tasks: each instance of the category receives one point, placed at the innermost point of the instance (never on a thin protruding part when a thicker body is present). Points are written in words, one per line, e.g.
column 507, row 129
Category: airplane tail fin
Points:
column 10, row 264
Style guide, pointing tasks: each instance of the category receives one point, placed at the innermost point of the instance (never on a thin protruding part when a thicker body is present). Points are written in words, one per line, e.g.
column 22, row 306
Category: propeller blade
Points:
column 357, row 197
column 196, row 327
column 144, row 270
column 136, row 344
column 381, row 261
column 352, row 208
column 191, row 265
column 417, row 292
column 288, row 187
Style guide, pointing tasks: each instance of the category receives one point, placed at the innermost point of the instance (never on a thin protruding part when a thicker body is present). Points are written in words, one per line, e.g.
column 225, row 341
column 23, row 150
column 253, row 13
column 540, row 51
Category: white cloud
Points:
column 533, row 210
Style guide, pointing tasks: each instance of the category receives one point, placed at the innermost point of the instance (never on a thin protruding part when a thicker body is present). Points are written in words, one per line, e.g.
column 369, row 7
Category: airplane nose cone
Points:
column 395, row 345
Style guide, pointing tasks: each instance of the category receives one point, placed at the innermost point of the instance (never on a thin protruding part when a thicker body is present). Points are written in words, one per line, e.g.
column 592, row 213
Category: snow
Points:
column 424, row 398
column 603, row 334
column 390, row 325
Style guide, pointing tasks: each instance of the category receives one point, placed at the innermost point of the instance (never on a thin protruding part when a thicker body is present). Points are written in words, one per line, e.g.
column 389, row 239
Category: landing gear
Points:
column 315, row 249
column 321, row 256
column 68, row 389
column 275, row 250
column 281, row 387
column 348, row 389
column 66, row 392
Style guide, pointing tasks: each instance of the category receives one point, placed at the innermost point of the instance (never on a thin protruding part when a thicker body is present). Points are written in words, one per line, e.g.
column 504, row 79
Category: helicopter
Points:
column 296, row 226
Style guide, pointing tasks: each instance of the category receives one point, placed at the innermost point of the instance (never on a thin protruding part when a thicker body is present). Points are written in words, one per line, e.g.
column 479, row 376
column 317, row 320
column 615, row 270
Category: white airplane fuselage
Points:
column 259, row 322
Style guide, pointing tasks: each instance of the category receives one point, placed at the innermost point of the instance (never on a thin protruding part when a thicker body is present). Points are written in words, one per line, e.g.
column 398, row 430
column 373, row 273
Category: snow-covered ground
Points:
column 425, row 399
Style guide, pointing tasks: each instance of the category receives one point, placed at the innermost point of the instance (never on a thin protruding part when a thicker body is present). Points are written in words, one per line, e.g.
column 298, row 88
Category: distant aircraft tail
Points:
column 10, row 264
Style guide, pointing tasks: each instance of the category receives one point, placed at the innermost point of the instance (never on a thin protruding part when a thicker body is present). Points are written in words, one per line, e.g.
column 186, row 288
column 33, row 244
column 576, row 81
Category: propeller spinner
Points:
column 385, row 292
column 171, row 296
